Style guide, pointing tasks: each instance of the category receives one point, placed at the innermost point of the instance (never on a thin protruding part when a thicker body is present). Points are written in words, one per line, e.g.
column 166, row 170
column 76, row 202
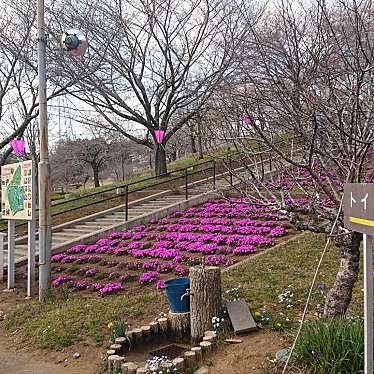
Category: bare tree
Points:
column 313, row 79
column 149, row 60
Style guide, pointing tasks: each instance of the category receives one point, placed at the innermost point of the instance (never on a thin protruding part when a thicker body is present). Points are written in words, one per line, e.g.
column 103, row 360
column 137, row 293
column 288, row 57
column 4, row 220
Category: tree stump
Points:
column 180, row 325
column 205, row 299
column 140, row 370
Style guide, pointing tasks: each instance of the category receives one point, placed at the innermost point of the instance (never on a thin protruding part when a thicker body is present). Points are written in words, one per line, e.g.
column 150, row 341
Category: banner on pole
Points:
column 17, row 191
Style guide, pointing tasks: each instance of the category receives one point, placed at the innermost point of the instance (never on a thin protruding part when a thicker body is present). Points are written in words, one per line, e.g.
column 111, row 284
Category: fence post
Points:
column 186, row 182
column 214, row 174
column 2, row 236
column 126, row 202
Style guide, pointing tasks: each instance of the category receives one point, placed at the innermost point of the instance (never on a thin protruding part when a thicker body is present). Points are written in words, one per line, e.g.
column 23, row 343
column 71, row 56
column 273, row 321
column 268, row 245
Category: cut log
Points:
column 110, row 352
column 138, row 335
column 233, row 341
column 132, row 368
column 163, row 326
column 209, row 338
column 131, row 337
column 146, row 333
column 199, row 353
column 190, row 359
column 205, row 299
column 117, row 363
column 179, row 363
column 111, row 360
column 116, row 348
column 179, row 325
column 154, row 329
column 206, row 346
column 121, row 340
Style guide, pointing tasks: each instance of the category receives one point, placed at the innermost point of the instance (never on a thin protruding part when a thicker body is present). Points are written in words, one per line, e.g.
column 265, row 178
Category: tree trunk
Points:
column 340, row 295
column 192, row 139
column 199, row 139
column 96, row 176
column 160, row 160
column 205, row 299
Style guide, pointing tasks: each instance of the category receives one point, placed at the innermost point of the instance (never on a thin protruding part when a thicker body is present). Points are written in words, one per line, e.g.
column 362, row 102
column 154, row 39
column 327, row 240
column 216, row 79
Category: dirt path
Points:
column 13, row 361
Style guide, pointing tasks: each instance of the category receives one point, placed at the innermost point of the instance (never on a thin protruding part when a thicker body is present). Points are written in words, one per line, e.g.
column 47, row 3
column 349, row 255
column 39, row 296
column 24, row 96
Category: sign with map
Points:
column 17, row 191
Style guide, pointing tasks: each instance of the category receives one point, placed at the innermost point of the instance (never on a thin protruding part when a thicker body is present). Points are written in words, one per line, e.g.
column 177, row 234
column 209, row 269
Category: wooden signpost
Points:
column 359, row 216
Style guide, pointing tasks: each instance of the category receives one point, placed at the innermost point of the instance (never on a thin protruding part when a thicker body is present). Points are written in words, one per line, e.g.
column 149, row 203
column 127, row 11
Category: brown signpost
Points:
column 359, row 216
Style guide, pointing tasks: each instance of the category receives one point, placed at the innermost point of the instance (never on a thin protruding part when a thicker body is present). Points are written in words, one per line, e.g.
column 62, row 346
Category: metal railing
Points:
column 159, row 180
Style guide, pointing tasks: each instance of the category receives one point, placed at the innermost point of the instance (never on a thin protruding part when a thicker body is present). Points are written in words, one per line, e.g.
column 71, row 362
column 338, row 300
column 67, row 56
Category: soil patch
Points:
column 248, row 357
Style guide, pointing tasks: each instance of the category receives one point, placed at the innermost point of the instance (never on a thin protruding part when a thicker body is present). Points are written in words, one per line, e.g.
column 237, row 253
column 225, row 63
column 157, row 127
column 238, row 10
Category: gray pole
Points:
column 368, row 302
column 44, row 196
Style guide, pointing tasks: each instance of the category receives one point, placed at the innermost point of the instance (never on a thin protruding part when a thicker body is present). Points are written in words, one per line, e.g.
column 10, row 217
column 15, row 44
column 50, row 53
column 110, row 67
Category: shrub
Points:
column 334, row 346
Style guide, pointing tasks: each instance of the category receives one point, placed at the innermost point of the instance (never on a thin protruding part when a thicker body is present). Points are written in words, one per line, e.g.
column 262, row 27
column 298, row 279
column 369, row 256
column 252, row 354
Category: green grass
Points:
column 291, row 267
column 60, row 323
column 334, row 346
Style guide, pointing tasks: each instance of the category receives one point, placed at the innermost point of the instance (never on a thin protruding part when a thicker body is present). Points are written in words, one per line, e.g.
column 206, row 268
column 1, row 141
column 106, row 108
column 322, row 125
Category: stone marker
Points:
column 240, row 316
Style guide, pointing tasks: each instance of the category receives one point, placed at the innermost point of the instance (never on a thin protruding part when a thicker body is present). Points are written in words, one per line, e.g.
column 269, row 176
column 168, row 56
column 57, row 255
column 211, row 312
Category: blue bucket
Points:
column 175, row 289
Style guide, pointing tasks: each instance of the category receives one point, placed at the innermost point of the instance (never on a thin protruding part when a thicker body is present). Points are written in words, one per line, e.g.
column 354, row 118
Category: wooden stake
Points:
column 190, row 359
column 110, row 352
column 138, row 335
column 179, row 363
column 206, row 346
column 179, row 325
column 205, row 299
column 117, row 362
column 163, row 325
column 199, row 353
column 146, row 333
column 116, row 347
column 132, row 368
column 111, row 360
column 154, row 330
column 121, row 340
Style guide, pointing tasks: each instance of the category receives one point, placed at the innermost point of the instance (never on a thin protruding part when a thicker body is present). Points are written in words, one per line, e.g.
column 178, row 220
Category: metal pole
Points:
column 186, row 182
column 368, row 302
column 2, row 236
column 45, row 235
column 11, row 250
column 31, row 259
column 126, row 202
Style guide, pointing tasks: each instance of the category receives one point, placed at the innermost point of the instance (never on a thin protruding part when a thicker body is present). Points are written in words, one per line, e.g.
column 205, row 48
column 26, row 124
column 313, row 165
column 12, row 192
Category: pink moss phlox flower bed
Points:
column 217, row 233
